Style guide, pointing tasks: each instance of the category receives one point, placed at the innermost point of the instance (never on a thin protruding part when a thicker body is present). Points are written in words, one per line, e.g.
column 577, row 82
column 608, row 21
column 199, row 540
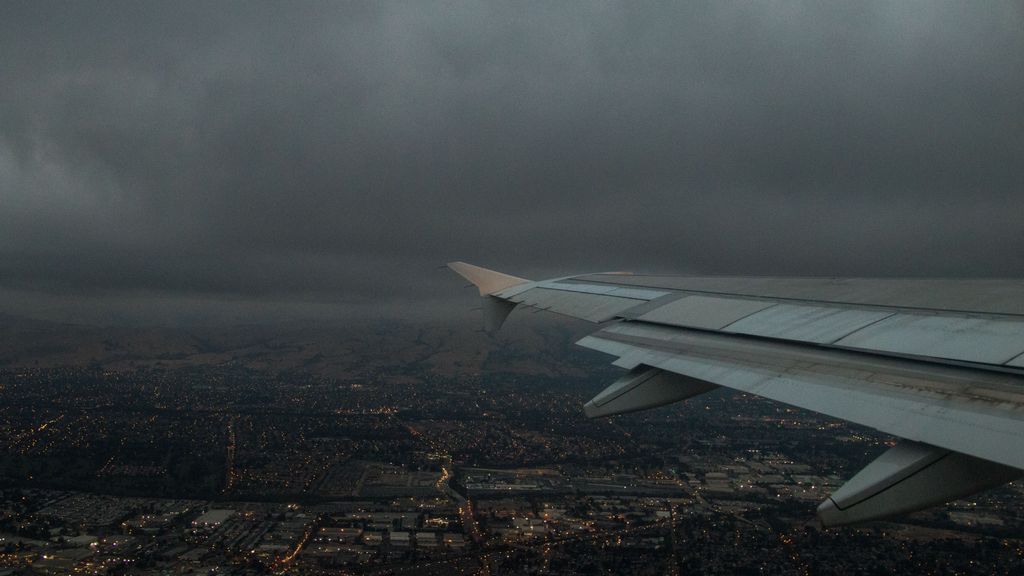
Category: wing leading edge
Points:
column 947, row 378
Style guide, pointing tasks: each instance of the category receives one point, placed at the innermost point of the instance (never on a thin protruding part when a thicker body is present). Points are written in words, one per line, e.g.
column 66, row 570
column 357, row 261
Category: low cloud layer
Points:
column 232, row 161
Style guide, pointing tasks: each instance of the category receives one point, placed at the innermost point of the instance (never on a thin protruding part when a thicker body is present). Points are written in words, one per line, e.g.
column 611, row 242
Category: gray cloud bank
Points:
column 229, row 161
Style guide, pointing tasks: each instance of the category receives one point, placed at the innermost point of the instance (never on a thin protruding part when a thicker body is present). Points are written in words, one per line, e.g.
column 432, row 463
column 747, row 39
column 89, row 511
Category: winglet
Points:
column 487, row 281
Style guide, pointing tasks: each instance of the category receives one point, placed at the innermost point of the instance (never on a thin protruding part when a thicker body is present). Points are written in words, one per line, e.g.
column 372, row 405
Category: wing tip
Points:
column 487, row 281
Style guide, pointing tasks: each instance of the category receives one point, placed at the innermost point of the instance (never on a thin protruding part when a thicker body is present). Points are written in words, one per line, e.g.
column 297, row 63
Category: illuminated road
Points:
column 230, row 474
column 28, row 439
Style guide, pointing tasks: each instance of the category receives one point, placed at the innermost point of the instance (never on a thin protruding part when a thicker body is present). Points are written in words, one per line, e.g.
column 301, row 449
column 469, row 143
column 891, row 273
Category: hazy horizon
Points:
column 231, row 162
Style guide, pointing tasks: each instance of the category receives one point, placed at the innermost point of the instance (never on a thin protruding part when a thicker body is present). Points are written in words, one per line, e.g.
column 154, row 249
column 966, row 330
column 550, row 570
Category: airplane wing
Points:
column 939, row 363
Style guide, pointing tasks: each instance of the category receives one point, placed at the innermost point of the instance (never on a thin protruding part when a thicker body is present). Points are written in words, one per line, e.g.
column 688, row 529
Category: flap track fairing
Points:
column 910, row 476
column 642, row 388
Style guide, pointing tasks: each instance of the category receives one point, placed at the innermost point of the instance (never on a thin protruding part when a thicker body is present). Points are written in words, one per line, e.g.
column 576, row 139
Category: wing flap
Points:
column 969, row 411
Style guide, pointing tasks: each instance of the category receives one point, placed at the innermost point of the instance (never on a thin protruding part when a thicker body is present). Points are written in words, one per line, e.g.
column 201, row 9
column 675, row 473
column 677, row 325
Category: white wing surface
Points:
column 939, row 363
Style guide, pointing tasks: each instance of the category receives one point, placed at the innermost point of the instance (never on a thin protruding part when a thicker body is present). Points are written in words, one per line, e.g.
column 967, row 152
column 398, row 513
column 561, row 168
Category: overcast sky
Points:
column 225, row 162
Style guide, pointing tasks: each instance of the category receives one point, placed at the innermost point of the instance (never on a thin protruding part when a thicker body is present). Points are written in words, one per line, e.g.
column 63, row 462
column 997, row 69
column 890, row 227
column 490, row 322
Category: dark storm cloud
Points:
column 329, row 156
